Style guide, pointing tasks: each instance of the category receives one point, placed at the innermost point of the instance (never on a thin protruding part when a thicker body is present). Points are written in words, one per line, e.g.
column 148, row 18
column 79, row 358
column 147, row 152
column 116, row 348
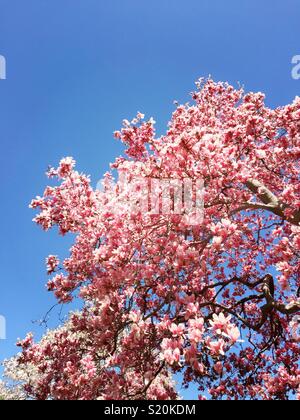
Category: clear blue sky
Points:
column 75, row 69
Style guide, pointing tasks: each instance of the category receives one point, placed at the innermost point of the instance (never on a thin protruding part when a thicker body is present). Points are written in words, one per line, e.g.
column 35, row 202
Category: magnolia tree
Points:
column 210, row 291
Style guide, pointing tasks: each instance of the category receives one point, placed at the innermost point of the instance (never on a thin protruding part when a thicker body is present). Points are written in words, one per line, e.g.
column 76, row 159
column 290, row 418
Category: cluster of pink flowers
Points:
column 89, row 366
column 196, row 330
column 52, row 263
column 171, row 351
column 222, row 325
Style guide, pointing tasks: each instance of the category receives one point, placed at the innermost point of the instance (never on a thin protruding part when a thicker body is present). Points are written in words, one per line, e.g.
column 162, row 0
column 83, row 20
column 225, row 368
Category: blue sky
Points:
column 75, row 69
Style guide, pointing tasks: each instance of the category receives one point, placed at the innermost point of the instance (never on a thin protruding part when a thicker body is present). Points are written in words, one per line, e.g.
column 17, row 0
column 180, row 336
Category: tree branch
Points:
column 269, row 202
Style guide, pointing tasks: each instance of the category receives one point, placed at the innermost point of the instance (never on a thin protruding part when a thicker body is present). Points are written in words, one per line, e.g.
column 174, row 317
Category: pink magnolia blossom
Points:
column 217, row 348
column 177, row 330
column 220, row 324
column 218, row 367
column 171, row 351
column 196, row 329
column 233, row 334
